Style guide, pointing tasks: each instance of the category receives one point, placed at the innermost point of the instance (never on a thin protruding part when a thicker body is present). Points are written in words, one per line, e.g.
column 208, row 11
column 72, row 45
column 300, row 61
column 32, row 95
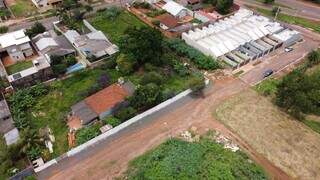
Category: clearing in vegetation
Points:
column 286, row 142
column 178, row 159
column 114, row 27
column 23, row 8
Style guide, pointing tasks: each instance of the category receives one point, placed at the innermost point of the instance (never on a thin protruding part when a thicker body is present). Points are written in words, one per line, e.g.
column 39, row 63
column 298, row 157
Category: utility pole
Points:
column 278, row 10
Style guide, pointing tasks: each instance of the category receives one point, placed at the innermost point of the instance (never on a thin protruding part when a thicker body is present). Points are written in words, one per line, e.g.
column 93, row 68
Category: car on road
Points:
column 288, row 49
column 267, row 73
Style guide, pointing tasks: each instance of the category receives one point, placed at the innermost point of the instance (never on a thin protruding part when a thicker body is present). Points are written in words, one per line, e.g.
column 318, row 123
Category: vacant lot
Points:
column 114, row 27
column 286, row 142
column 23, row 8
column 178, row 159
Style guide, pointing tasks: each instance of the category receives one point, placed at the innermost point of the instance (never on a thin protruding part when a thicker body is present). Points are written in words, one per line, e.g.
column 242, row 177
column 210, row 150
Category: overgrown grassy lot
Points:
column 19, row 66
column 178, row 159
column 314, row 25
column 283, row 140
column 114, row 28
column 23, row 8
column 51, row 109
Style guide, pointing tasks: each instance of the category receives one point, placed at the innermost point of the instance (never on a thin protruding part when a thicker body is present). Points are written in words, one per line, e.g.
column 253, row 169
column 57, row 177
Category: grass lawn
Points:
column 114, row 29
column 314, row 125
column 267, row 87
column 19, row 66
column 52, row 109
column 286, row 142
column 314, row 25
column 23, row 8
column 178, row 159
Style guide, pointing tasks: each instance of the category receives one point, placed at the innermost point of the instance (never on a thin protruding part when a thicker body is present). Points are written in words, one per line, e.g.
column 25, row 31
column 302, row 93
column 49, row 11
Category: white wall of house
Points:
column 41, row 3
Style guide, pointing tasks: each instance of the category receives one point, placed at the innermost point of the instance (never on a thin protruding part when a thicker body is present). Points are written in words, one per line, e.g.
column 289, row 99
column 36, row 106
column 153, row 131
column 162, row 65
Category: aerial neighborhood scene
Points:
column 160, row 89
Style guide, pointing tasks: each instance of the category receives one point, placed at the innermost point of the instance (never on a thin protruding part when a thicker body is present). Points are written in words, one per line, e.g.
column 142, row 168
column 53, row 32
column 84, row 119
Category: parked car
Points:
column 267, row 73
column 288, row 49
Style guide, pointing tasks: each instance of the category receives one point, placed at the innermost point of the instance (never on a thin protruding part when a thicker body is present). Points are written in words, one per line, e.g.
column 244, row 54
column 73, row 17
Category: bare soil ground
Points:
column 284, row 141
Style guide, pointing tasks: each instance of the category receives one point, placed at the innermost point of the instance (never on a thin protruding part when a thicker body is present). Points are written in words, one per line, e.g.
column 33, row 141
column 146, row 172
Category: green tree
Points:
column 145, row 96
column 125, row 113
column 224, row 6
column 196, row 82
column 112, row 121
column 152, row 77
column 125, row 63
column 3, row 29
column 145, row 44
column 268, row 1
column 35, row 29
column 313, row 58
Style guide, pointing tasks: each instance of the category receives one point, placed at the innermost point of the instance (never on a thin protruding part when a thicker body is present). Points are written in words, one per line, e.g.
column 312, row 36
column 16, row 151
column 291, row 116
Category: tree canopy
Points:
column 144, row 44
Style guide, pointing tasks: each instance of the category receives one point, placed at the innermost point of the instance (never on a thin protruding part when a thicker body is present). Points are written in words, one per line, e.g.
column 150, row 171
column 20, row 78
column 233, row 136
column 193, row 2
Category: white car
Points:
column 288, row 49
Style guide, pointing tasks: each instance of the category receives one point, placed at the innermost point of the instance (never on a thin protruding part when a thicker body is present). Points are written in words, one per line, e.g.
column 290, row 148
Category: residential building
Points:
column 16, row 44
column 167, row 21
column 244, row 32
column 46, row 3
column 101, row 104
column 50, row 45
column 175, row 9
column 11, row 134
column 92, row 45
column 40, row 71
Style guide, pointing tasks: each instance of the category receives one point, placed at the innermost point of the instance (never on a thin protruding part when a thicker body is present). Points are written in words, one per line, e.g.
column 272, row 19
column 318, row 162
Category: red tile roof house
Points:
column 101, row 104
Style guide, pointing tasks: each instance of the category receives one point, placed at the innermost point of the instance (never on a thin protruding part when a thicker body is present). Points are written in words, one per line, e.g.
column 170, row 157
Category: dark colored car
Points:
column 267, row 73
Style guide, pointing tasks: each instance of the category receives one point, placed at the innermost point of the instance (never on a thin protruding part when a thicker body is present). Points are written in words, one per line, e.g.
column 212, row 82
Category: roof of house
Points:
column 12, row 136
column 106, row 98
column 168, row 20
column 84, row 112
column 173, row 8
column 13, row 38
column 193, row 1
column 7, row 124
column 45, row 43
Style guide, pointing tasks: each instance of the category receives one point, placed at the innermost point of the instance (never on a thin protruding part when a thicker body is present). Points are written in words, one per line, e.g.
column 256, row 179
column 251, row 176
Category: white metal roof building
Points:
column 175, row 9
column 230, row 33
column 13, row 38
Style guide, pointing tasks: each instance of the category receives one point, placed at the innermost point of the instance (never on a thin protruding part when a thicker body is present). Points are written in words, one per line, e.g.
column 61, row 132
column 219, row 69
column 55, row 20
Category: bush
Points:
column 70, row 60
column 313, row 58
column 143, row 5
column 112, row 13
column 3, row 29
column 87, row 133
column 36, row 29
column 125, row 114
column 112, row 121
column 196, row 82
column 152, row 77
column 156, row 22
column 181, row 69
column 125, row 64
column 201, row 61
column 59, row 69
column 146, row 96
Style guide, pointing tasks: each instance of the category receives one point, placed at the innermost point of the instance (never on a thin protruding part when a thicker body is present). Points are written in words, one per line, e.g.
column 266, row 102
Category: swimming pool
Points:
column 74, row 68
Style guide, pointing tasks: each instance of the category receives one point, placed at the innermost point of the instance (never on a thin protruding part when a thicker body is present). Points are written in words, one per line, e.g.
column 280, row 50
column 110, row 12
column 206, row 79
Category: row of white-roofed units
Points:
column 241, row 38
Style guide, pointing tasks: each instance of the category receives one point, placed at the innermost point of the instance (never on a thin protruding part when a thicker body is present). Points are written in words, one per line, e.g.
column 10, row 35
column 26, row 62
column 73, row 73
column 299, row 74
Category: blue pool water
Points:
column 75, row 68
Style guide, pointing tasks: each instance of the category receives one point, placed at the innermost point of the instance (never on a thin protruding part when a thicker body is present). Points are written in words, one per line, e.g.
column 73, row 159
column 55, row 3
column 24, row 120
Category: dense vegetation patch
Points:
column 177, row 159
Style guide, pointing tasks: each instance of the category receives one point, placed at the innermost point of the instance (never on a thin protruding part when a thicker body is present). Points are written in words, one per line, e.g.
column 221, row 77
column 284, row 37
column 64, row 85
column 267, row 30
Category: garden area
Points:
column 205, row 159
column 19, row 66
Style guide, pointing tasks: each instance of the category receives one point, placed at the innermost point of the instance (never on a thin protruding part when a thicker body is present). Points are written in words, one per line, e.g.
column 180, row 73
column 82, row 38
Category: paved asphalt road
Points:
column 297, row 8
column 280, row 59
column 24, row 25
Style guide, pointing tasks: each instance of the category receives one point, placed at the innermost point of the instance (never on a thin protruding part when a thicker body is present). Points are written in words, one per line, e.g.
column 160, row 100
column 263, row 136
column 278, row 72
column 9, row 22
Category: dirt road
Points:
column 111, row 160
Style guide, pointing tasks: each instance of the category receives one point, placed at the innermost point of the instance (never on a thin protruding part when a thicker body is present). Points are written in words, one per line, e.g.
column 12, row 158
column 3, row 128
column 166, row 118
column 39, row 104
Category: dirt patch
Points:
column 10, row 2
column 286, row 142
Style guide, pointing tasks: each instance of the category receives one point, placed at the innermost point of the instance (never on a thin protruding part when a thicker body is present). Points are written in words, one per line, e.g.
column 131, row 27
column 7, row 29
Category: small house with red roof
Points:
column 102, row 103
